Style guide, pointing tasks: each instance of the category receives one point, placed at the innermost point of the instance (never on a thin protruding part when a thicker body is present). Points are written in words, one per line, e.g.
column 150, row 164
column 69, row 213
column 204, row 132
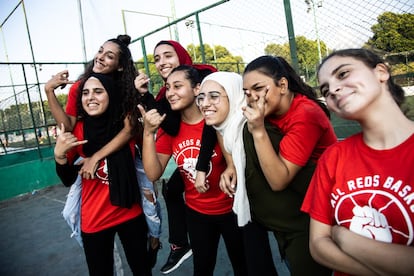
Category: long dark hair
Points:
column 277, row 67
column 124, row 78
column 371, row 60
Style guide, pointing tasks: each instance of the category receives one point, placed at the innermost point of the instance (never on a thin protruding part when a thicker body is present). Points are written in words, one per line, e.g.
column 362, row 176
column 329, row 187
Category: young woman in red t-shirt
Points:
column 208, row 213
column 361, row 198
column 279, row 164
column 109, row 201
column 168, row 54
column 115, row 60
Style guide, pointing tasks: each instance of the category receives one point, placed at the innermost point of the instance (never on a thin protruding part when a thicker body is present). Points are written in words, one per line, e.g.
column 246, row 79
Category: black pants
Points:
column 293, row 248
column 258, row 252
column 99, row 248
column 173, row 192
column 205, row 232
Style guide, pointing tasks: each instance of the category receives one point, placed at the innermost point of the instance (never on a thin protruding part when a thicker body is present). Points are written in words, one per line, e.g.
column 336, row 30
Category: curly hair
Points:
column 125, row 81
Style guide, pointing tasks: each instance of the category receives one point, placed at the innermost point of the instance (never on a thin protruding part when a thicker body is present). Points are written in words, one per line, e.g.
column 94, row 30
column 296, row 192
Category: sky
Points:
column 244, row 27
column 55, row 31
column 54, row 25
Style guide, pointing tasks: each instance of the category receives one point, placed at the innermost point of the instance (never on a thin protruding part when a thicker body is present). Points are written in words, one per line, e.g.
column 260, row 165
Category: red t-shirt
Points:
column 71, row 103
column 185, row 148
column 370, row 192
column 307, row 131
column 97, row 212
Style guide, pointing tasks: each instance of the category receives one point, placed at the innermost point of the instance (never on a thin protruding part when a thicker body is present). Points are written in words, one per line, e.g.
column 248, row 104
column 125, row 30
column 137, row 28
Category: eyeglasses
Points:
column 213, row 98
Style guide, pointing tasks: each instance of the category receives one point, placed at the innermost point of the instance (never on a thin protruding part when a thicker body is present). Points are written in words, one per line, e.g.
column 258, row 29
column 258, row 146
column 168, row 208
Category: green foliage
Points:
column 217, row 56
column 156, row 80
column 62, row 99
column 307, row 53
column 393, row 33
column 279, row 50
column 402, row 68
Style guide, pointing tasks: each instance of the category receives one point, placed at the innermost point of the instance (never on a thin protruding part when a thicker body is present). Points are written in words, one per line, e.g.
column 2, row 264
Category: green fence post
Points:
column 200, row 38
column 291, row 33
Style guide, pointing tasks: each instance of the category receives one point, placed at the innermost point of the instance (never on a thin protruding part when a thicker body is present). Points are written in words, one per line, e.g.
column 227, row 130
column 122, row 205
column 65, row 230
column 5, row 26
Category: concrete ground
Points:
column 35, row 240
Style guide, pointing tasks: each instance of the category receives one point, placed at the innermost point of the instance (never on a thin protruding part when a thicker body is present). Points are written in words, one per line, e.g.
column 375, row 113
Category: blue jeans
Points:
column 152, row 209
column 72, row 209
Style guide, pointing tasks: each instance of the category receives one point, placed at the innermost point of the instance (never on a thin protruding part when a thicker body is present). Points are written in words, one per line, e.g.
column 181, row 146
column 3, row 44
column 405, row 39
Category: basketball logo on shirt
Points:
column 187, row 160
column 102, row 172
column 378, row 215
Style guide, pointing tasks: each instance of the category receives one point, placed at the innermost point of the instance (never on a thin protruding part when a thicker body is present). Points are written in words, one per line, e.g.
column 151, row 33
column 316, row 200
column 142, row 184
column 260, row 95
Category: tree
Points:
column 278, row 50
column 218, row 56
column 393, row 33
column 62, row 99
column 156, row 80
column 307, row 52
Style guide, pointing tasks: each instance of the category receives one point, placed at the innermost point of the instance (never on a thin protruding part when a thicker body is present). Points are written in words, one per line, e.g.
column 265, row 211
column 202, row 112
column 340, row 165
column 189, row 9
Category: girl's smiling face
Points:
column 350, row 86
column 179, row 92
column 213, row 103
column 95, row 99
column 166, row 59
column 107, row 58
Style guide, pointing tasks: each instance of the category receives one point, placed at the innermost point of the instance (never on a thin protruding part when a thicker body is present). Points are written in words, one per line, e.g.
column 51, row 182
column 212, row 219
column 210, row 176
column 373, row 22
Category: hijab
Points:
column 99, row 130
column 184, row 59
column 232, row 131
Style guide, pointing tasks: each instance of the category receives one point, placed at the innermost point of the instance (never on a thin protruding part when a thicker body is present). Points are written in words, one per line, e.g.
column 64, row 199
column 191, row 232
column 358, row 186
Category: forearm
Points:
column 152, row 165
column 383, row 258
column 58, row 113
column 326, row 252
column 208, row 142
column 274, row 169
column 122, row 138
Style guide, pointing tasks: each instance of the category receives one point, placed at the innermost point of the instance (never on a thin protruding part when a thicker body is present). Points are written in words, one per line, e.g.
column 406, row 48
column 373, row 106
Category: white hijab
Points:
column 232, row 131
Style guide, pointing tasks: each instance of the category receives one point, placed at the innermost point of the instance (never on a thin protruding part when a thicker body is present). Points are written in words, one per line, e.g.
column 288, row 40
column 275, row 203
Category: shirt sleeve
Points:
column 163, row 142
column 67, row 173
column 71, row 108
column 302, row 136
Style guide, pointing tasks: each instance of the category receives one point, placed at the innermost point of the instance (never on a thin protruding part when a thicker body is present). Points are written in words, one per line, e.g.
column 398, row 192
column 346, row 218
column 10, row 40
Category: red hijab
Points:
column 184, row 59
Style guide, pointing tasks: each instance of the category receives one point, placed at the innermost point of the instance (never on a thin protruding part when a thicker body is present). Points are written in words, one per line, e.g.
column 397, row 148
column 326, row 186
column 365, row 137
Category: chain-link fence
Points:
column 229, row 34
column 248, row 29
column 25, row 118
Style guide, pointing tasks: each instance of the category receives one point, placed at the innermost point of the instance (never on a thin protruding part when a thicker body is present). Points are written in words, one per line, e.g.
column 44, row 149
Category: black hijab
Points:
column 99, row 130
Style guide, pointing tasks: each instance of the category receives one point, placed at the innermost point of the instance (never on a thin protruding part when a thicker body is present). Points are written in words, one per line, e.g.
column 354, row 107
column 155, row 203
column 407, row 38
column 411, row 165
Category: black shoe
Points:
column 153, row 253
column 177, row 256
